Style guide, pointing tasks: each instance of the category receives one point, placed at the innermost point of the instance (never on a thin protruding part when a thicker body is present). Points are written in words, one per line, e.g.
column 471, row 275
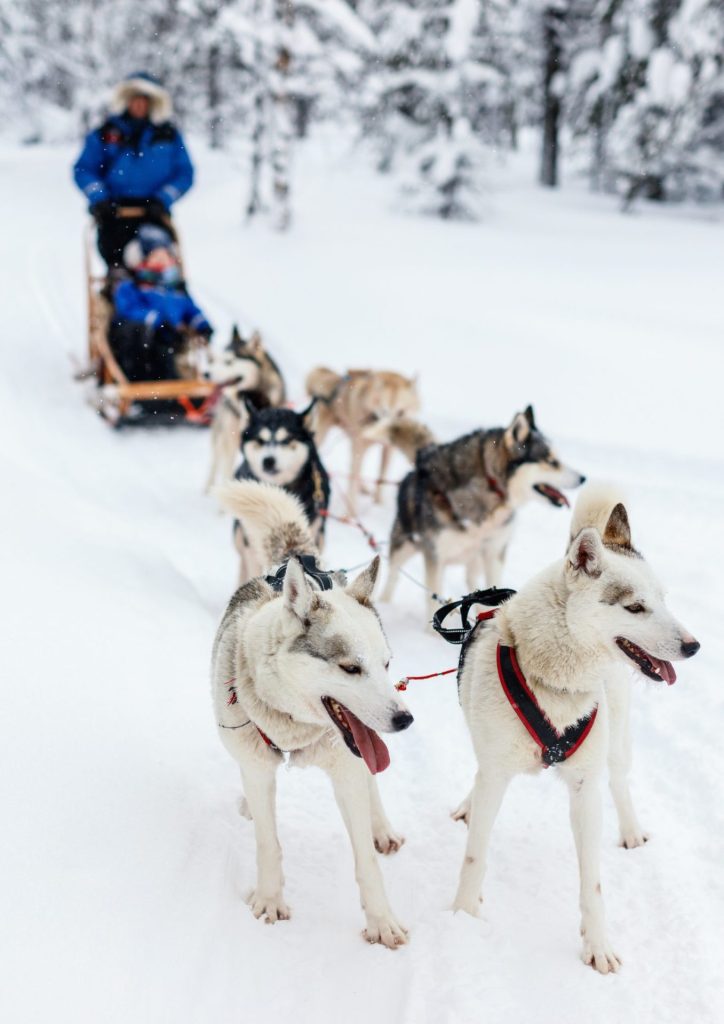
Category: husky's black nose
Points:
column 583, row 479
column 689, row 648
column 402, row 720
column 268, row 463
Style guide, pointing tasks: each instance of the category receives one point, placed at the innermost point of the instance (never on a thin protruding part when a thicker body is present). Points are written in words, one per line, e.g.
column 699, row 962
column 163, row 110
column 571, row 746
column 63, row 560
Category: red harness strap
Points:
column 555, row 746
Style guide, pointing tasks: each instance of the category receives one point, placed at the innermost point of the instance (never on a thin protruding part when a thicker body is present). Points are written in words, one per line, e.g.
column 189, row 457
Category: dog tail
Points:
column 322, row 383
column 273, row 519
column 407, row 435
column 594, row 506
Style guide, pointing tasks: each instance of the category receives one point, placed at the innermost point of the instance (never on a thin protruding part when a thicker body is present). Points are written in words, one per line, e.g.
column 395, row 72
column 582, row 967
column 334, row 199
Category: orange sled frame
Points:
column 115, row 394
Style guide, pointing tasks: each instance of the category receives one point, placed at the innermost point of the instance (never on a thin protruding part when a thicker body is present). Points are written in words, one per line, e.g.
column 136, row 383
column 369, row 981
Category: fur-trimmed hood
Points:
column 161, row 107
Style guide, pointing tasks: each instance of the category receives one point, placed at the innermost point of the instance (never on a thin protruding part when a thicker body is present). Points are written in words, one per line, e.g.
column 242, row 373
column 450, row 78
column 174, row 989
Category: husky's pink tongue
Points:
column 371, row 747
column 666, row 669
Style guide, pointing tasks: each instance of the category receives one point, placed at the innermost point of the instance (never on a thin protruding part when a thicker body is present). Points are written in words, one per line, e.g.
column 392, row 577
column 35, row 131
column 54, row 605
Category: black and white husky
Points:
column 304, row 670
column 247, row 371
column 458, row 504
column 277, row 447
column 562, row 645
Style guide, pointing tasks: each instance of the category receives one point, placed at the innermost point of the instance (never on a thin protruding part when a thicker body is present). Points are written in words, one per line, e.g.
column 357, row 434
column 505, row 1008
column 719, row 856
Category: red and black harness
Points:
column 555, row 747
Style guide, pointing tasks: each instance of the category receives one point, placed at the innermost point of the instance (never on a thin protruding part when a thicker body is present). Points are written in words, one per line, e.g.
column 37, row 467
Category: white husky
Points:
column 304, row 670
column 572, row 629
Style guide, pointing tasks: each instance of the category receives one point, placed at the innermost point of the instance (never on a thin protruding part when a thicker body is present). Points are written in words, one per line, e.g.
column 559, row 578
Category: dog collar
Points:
column 555, row 746
column 311, row 569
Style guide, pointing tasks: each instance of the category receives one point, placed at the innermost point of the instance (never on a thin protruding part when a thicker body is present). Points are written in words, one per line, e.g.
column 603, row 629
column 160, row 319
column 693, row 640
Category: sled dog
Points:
column 355, row 401
column 303, row 670
column 278, row 448
column 251, row 373
column 459, row 502
column 567, row 637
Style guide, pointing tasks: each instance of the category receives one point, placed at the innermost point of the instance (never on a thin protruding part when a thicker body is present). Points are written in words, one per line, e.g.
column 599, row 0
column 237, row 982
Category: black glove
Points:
column 103, row 210
column 157, row 212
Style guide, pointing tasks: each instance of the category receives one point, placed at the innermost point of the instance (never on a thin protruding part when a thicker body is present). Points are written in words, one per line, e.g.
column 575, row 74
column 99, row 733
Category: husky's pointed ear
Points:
column 237, row 344
column 249, row 405
column 586, row 552
column 618, row 531
column 296, row 592
column 362, row 586
column 255, row 345
column 517, row 433
column 530, row 417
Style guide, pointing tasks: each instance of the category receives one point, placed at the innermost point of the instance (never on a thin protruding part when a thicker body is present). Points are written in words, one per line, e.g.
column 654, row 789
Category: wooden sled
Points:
column 120, row 401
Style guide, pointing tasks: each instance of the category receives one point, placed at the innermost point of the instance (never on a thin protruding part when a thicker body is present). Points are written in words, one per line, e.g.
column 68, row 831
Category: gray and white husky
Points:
column 573, row 630
column 458, row 504
column 304, row 671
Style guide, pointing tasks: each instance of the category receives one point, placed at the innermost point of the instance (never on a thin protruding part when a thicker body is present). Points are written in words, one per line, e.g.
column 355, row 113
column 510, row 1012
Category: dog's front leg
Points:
column 385, row 838
column 586, row 819
column 260, row 787
column 355, row 474
column 352, row 792
column 487, row 795
column 618, row 698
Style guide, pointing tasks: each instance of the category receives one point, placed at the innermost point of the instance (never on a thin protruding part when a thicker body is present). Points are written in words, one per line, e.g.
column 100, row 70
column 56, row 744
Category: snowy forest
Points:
column 630, row 93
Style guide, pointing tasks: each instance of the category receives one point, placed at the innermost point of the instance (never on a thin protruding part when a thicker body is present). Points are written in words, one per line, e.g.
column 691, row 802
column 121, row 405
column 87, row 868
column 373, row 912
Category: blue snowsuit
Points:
column 144, row 332
column 158, row 307
column 130, row 159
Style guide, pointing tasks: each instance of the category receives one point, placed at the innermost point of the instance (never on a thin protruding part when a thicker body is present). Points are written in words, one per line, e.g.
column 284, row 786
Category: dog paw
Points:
column 386, row 931
column 387, row 840
column 271, row 908
column 634, row 838
column 600, row 956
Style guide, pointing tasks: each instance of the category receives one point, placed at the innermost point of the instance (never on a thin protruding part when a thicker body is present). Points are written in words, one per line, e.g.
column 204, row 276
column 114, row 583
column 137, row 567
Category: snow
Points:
column 125, row 862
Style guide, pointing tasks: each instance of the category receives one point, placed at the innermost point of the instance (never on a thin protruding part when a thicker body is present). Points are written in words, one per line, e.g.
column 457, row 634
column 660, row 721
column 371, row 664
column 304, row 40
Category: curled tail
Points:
column 594, row 506
column 322, row 383
column 273, row 519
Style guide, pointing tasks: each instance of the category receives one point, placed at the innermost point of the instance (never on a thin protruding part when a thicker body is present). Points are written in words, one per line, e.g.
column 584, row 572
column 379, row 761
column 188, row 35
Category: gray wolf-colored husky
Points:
column 303, row 670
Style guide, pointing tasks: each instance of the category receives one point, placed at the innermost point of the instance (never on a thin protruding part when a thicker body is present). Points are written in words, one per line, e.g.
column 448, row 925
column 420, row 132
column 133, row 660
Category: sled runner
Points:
column 121, row 401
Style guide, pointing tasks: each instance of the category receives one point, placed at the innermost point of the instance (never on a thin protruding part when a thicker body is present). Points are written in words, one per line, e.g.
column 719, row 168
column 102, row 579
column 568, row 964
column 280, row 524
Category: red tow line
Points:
column 402, row 685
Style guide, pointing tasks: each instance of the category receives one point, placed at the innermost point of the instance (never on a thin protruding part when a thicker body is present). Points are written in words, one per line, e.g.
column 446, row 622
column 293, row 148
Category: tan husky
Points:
column 357, row 401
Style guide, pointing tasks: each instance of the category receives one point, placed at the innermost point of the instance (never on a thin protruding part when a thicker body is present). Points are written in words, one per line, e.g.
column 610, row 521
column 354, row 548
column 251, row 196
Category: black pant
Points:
column 114, row 233
column 144, row 353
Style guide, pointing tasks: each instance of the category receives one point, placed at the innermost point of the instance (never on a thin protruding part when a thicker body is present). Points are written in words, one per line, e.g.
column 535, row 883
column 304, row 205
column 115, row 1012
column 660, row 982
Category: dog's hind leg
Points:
column 586, row 822
column 618, row 698
column 352, row 793
column 486, row 798
column 260, row 786
column 385, row 838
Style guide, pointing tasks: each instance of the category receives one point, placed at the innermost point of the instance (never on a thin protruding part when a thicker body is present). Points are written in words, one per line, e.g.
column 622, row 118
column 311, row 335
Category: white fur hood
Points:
column 161, row 107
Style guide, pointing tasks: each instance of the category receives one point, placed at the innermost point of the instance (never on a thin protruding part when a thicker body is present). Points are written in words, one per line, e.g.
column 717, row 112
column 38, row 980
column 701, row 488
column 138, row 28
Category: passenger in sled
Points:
column 134, row 166
column 155, row 321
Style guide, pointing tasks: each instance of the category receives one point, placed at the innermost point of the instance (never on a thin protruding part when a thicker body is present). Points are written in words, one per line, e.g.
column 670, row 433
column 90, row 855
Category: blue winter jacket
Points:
column 157, row 307
column 131, row 159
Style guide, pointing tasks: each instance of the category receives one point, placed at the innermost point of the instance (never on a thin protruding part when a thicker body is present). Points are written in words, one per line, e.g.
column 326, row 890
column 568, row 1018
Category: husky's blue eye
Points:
column 635, row 609
column 351, row 670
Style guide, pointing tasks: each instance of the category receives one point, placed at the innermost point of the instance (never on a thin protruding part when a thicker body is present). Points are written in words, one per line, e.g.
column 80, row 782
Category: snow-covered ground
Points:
column 124, row 861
